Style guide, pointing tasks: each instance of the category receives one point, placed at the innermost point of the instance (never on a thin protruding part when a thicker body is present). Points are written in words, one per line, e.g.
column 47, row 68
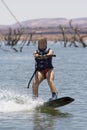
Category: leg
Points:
column 38, row 79
column 50, row 79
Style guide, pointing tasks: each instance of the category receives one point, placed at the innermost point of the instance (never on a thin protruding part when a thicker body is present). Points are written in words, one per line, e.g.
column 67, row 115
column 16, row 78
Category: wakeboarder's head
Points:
column 42, row 44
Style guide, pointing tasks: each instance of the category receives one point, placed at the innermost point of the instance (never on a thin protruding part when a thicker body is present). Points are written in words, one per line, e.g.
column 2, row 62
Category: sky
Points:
column 25, row 10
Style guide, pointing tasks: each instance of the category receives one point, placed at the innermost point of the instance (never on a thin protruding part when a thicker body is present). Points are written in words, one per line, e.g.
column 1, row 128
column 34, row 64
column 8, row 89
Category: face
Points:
column 42, row 44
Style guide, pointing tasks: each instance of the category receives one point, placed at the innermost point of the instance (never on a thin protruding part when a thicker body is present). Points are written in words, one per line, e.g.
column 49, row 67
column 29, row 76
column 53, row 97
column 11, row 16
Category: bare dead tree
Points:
column 74, row 38
column 23, row 42
column 81, row 39
column 65, row 38
column 27, row 40
column 1, row 37
column 1, row 41
column 13, row 37
column 77, row 37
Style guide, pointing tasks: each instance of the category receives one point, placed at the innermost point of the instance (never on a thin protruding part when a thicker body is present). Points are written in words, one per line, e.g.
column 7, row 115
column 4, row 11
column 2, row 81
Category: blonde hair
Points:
column 42, row 40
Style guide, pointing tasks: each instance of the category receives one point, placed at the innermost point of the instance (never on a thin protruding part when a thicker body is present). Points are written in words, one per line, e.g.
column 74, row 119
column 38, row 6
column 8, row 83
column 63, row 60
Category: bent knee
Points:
column 36, row 82
column 50, row 82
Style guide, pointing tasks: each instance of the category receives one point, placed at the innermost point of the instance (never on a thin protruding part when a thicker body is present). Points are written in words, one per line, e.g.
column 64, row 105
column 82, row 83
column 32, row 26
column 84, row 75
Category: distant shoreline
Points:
column 50, row 37
column 54, row 37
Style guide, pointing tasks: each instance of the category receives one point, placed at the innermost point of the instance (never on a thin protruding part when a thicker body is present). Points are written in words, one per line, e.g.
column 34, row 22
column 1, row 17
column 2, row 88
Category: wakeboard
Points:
column 58, row 102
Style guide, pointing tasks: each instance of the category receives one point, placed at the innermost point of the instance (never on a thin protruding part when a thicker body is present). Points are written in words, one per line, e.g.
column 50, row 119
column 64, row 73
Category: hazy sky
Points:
column 34, row 9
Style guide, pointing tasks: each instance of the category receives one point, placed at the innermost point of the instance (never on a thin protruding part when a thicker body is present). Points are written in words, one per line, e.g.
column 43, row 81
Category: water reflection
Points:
column 44, row 118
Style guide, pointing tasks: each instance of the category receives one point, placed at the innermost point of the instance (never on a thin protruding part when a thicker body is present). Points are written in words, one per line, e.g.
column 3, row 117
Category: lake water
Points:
column 18, row 111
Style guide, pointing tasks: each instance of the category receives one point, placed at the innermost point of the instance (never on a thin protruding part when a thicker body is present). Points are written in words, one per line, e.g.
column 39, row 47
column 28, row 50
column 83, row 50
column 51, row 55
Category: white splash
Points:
column 11, row 102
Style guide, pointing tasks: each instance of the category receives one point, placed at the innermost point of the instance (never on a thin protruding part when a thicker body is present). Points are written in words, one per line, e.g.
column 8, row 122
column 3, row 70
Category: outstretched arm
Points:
column 49, row 55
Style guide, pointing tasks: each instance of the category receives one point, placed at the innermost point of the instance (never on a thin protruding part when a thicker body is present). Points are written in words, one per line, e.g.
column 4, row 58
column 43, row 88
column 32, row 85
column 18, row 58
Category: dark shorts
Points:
column 44, row 72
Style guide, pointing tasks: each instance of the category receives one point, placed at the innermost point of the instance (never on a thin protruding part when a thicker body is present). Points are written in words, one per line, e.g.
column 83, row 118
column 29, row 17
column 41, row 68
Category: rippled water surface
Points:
column 18, row 111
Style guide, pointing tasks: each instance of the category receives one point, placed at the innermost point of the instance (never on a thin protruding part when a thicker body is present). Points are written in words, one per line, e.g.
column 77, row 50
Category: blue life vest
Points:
column 42, row 64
